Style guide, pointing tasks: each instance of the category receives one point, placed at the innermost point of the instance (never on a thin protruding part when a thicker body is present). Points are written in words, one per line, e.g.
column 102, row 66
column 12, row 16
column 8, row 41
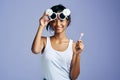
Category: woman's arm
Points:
column 75, row 64
column 39, row 41
column 75, row 67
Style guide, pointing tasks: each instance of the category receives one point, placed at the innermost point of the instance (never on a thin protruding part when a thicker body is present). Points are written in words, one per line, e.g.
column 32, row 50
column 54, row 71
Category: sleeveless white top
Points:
column 56, row 64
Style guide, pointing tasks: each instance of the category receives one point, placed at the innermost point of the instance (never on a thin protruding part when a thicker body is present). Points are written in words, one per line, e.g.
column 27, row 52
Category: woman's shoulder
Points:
column 44, row 39
column 73, row 46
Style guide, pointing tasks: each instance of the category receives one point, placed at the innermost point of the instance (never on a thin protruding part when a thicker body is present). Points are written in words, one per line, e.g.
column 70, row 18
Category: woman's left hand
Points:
column 79, row 47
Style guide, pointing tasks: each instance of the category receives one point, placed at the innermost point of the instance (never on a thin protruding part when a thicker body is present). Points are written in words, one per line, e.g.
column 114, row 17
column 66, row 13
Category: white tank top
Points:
column 56, row 64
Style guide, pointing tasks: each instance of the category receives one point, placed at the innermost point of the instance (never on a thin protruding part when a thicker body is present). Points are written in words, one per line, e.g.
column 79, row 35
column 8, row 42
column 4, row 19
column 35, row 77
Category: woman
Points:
column 60, row 55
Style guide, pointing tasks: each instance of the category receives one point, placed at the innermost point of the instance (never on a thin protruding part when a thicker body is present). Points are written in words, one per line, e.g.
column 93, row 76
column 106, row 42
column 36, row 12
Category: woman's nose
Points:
column 57, row 22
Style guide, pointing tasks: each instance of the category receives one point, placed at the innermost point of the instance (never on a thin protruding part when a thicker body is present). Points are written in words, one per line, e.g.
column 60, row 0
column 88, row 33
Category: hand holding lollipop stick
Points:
column 81, row 35
column 79, row 44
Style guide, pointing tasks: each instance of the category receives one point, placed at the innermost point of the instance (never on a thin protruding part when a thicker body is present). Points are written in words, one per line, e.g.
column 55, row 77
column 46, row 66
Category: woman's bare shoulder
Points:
column 44, row 40
column 73, row 46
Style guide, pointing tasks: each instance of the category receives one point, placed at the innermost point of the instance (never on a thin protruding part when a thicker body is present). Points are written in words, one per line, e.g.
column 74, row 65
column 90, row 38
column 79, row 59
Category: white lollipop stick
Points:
column 81, row 35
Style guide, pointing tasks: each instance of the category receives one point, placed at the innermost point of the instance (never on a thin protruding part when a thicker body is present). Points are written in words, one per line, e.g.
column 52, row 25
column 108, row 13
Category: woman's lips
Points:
column 59, row 27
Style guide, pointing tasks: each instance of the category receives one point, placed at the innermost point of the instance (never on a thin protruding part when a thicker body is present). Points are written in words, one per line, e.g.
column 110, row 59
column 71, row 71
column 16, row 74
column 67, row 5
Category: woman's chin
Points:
column 58, row 31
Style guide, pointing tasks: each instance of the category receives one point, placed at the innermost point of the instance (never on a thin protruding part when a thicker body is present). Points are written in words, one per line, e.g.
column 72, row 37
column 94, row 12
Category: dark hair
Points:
column 56, row 9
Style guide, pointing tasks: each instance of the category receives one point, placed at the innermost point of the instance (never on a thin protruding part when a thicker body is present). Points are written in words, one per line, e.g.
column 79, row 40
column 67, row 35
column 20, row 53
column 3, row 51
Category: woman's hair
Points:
column 57, row 9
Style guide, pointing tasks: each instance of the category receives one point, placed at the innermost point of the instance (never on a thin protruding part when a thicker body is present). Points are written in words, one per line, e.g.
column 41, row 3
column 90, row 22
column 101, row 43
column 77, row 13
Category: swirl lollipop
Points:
column 81, row 35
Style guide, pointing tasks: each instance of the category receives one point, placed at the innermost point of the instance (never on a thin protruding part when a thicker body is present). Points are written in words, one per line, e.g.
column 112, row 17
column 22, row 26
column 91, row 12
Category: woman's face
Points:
column 59, row 25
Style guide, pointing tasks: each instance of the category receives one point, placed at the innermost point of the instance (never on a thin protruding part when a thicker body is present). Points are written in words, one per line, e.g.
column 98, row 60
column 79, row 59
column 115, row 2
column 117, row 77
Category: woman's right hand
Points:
column 43, row 21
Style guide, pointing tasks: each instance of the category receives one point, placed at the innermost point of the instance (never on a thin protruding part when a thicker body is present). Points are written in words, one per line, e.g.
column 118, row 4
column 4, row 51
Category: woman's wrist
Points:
column 78, row 54
column 41, row 26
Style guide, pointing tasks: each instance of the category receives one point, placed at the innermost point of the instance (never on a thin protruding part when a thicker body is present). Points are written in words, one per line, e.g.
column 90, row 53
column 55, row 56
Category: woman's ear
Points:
column 68, row 22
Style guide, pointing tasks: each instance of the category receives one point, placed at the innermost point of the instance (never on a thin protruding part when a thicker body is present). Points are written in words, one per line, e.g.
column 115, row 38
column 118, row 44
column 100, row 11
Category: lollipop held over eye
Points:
column 81, row 35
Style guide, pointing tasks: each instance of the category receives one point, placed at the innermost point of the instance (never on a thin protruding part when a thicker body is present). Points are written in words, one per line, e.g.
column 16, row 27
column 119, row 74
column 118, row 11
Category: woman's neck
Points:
column 60, row 36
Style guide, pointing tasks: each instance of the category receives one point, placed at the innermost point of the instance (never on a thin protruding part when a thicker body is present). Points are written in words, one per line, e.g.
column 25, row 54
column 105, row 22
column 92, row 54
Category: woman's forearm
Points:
column 75, row 69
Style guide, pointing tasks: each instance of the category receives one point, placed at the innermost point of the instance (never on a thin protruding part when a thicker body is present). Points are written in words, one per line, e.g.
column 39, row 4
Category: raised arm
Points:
column 39, row 41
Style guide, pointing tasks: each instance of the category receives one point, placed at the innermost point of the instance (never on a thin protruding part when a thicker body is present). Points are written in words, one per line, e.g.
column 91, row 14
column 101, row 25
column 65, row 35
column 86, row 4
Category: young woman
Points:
column 60, row 55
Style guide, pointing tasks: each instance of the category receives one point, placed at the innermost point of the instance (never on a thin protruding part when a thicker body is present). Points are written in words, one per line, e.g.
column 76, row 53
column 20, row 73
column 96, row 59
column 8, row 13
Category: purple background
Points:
column 98, row 19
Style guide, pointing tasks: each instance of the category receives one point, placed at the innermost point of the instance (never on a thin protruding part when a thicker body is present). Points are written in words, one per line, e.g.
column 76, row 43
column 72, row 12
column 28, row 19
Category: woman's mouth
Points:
column 59, row 27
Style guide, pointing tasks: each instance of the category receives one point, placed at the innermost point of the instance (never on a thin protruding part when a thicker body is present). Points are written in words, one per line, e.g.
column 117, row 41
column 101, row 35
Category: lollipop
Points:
column 81, row 35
